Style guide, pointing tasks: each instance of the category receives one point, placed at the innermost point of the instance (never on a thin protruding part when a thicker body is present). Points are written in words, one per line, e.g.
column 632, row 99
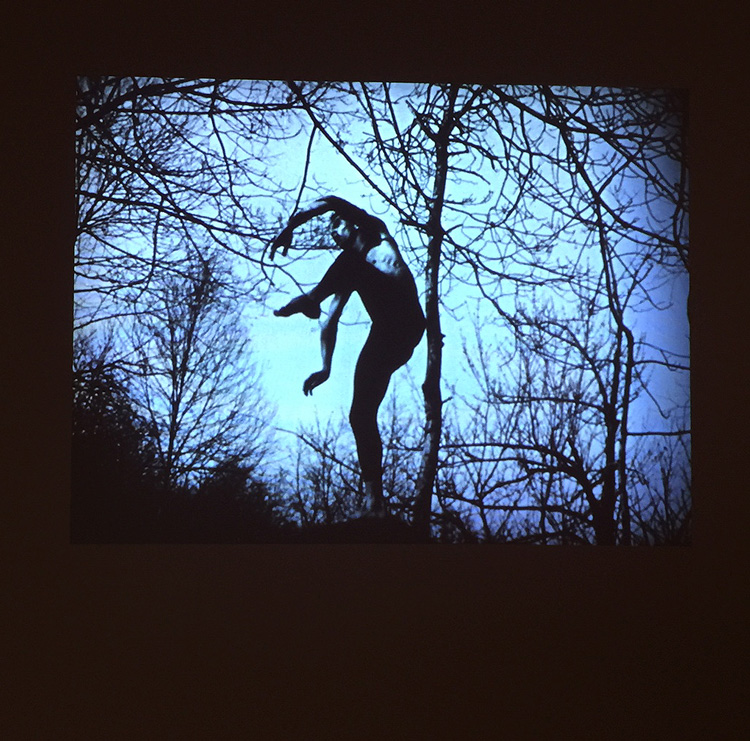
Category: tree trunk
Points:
column 433, row 401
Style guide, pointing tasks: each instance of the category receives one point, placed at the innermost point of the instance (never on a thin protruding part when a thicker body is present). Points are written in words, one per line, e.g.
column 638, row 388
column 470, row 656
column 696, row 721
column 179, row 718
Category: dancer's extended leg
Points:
column 336, row 279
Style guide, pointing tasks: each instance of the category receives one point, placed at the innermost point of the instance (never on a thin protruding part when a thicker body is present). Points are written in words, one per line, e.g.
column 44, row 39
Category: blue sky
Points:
column 288, row 348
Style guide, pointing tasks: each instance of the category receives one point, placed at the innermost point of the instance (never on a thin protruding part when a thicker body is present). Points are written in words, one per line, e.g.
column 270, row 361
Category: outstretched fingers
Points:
column 283, row 240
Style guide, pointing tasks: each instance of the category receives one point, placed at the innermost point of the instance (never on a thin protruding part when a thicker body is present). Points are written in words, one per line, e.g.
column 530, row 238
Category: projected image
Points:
column 339, row 312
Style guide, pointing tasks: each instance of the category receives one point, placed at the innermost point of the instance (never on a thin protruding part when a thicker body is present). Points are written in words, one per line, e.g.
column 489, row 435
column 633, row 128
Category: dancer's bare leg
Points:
column 371, row 380
column 334, row 281
column 301, row 305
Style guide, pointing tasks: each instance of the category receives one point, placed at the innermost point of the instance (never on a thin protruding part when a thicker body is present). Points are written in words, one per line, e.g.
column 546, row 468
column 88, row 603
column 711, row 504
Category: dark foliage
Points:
column 113, row 459
column 117, row 491
column 232, row 507
column 364, row 530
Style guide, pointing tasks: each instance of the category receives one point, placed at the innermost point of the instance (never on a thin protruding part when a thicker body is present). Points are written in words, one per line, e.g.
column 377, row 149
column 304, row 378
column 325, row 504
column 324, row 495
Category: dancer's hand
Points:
column 283, row 240
column 314, row 381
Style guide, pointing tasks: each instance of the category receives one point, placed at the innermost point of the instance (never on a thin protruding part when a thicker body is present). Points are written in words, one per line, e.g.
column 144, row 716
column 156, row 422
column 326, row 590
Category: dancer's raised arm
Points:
column 345, row 210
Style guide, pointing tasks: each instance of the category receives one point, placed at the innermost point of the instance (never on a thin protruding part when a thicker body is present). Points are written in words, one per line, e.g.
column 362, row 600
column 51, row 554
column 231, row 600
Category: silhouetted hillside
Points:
column 361, row 530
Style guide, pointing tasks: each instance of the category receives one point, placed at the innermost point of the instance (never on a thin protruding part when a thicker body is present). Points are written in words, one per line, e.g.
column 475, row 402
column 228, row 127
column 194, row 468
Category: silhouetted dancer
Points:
column 370, row 264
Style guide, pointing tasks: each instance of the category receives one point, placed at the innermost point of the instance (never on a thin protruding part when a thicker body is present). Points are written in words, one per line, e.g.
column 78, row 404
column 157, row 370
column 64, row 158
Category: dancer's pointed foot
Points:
column 301, row 305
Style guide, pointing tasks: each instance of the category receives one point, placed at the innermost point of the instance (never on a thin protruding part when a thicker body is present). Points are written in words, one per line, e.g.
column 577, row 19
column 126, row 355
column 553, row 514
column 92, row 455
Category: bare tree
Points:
column 322, row 481
column 188, row 357
column 661, row 504
column 589, row 209
column 169, row 162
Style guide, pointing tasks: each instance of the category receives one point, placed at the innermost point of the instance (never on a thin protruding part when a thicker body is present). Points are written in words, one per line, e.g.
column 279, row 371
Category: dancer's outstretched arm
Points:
column 344, row 209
